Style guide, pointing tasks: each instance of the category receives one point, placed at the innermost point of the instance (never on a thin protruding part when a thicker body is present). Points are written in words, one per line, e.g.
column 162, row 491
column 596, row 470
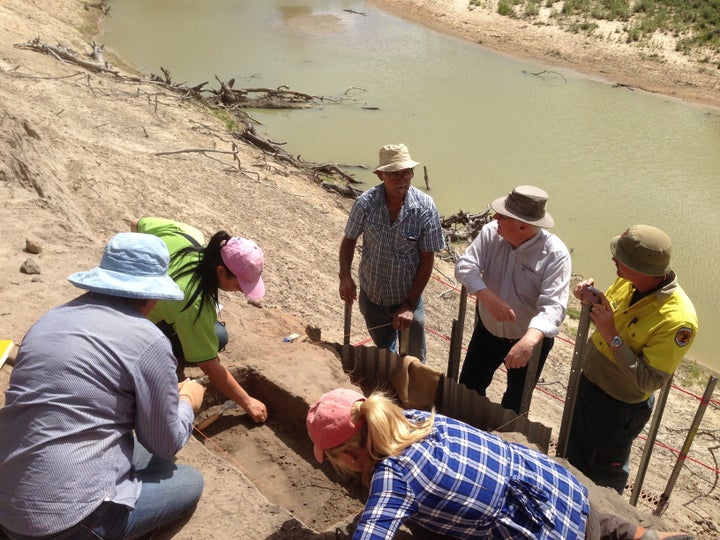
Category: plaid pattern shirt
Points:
column 467, row 483
column 391, row 252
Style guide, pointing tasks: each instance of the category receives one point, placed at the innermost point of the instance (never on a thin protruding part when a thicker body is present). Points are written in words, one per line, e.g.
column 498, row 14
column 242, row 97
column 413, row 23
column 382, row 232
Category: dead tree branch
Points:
column 464, row 226
column 196, row 150
column 64, row 53
column 331, row 168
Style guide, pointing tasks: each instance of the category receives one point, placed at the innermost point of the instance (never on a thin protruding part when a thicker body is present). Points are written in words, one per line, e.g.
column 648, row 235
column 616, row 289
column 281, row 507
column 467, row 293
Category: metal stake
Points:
column 347, row 326
column 348, row 323
column 573, row 380
column 650, row 442
column 664, row 498
column 404, row 342
column 458, row 327
column 530, row 376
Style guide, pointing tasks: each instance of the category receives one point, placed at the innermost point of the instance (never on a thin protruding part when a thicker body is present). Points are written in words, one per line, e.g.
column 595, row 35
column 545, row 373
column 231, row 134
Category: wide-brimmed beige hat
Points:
column 526, row 204
column 395, row 157
column 643, row 248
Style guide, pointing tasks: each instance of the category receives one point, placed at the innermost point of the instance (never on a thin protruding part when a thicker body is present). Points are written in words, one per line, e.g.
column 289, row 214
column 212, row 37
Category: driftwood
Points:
column 464, row 226
column 235, row 100
column 227, row 96
column 332, row 168
column 62, row 52
column 263, row 98
column 345, row 191
column 317, row 172
column 545, row 72
column 249, row 135
column 102, row 6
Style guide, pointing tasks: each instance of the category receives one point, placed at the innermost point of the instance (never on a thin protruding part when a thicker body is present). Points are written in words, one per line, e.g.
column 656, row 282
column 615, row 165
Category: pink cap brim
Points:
column 253, row 291
column 319, row 453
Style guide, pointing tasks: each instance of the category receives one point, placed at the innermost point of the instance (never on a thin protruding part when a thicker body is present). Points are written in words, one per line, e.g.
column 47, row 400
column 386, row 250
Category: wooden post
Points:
column 427, row 178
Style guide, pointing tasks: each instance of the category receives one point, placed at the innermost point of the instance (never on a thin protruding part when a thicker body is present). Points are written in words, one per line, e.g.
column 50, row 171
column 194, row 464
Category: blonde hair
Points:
column 386, row 432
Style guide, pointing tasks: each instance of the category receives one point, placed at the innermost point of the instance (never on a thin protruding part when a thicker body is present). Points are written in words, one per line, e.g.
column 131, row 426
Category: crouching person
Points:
column 454, row 479
column 94, row 414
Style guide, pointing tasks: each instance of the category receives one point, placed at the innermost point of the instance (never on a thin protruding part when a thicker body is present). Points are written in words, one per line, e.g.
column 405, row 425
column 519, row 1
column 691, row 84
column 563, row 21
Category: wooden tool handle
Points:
column 209, row 421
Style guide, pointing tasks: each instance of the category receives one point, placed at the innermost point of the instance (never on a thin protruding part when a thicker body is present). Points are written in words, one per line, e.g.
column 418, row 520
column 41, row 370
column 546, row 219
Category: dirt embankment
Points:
column 653, row 65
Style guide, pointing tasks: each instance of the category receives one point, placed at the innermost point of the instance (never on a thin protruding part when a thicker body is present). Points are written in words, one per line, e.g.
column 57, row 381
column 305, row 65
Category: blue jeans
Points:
column 386, row 337
column 169, row 493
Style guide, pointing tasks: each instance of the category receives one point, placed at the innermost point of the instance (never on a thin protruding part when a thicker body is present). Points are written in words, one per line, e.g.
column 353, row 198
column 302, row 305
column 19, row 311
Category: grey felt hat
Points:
column 526, row 204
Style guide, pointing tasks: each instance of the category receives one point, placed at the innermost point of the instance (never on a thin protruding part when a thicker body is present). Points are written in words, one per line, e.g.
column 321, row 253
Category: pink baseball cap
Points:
column 329, row 422
column 245, row 260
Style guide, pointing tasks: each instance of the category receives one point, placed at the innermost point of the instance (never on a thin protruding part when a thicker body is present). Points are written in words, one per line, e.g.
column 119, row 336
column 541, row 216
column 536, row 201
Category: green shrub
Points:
column 505, row 8
column 696, row 22
column 532, row 9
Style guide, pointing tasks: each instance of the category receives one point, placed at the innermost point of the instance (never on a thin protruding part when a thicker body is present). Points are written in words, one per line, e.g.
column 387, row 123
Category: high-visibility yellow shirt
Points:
column 657, row 332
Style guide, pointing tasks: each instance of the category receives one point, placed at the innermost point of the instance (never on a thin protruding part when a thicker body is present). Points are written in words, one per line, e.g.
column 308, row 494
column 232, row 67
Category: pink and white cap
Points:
column 245, row 260
column 329, row 421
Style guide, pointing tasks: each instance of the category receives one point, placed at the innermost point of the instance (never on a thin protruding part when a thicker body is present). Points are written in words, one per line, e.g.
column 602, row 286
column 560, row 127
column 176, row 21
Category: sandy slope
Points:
column 78, row 158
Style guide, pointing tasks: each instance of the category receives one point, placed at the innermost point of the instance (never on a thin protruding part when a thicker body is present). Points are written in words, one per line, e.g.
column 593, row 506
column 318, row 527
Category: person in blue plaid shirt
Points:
column 401, row 233
column 451, row 478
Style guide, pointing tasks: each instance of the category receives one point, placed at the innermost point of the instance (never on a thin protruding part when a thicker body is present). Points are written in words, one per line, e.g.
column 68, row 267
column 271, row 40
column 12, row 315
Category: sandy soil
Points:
column 78, row 157
column 653, row 65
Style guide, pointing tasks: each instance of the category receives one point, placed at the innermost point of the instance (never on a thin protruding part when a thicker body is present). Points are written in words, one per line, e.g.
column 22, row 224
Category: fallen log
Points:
column 345, row 191
column 331, row 168
column 62, row 52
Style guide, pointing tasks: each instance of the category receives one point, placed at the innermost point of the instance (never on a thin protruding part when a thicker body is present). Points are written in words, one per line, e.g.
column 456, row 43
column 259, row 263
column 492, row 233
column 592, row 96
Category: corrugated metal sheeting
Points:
column 372, row 368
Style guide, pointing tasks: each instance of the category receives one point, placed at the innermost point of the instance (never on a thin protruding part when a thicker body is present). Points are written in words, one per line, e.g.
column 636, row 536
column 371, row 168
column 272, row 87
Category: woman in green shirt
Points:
column 201, row 271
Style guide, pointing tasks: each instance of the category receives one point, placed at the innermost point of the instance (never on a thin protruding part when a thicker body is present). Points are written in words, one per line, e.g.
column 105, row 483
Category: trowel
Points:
column 229, row 404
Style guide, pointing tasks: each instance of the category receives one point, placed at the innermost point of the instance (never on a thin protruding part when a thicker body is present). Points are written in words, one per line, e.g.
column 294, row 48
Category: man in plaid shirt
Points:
column 401, row 233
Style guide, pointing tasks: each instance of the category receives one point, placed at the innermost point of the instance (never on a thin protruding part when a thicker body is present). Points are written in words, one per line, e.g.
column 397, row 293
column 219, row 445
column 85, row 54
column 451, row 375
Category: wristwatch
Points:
column 616, row 342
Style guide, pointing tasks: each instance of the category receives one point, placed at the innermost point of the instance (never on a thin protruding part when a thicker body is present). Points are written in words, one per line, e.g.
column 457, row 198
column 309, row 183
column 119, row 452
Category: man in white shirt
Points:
column 520, row 275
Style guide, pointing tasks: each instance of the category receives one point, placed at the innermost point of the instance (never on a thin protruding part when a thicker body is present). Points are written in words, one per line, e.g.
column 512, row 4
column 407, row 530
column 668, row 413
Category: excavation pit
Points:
column 277, row 456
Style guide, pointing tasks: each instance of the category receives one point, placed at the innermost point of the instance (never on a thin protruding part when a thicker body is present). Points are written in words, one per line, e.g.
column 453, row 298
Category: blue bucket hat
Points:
column 133, row 265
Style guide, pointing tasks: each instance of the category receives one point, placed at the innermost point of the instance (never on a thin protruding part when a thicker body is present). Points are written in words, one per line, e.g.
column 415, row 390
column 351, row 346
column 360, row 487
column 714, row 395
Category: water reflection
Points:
column 481, row 122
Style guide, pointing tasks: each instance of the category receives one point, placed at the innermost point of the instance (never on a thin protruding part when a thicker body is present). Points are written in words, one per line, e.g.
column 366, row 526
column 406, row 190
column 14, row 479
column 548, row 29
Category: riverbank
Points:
column 603, row 55
column 80, row 153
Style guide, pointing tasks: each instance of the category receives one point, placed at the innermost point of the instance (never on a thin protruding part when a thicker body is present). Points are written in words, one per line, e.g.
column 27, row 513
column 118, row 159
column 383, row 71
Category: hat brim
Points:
column 546, row 222
column 397, row 166
column 319, row 453
column 254, row 290
column 112, row 283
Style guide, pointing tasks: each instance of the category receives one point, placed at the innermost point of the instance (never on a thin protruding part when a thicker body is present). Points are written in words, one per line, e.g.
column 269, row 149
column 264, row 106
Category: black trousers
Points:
column 602, row 433
column 486, row 353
